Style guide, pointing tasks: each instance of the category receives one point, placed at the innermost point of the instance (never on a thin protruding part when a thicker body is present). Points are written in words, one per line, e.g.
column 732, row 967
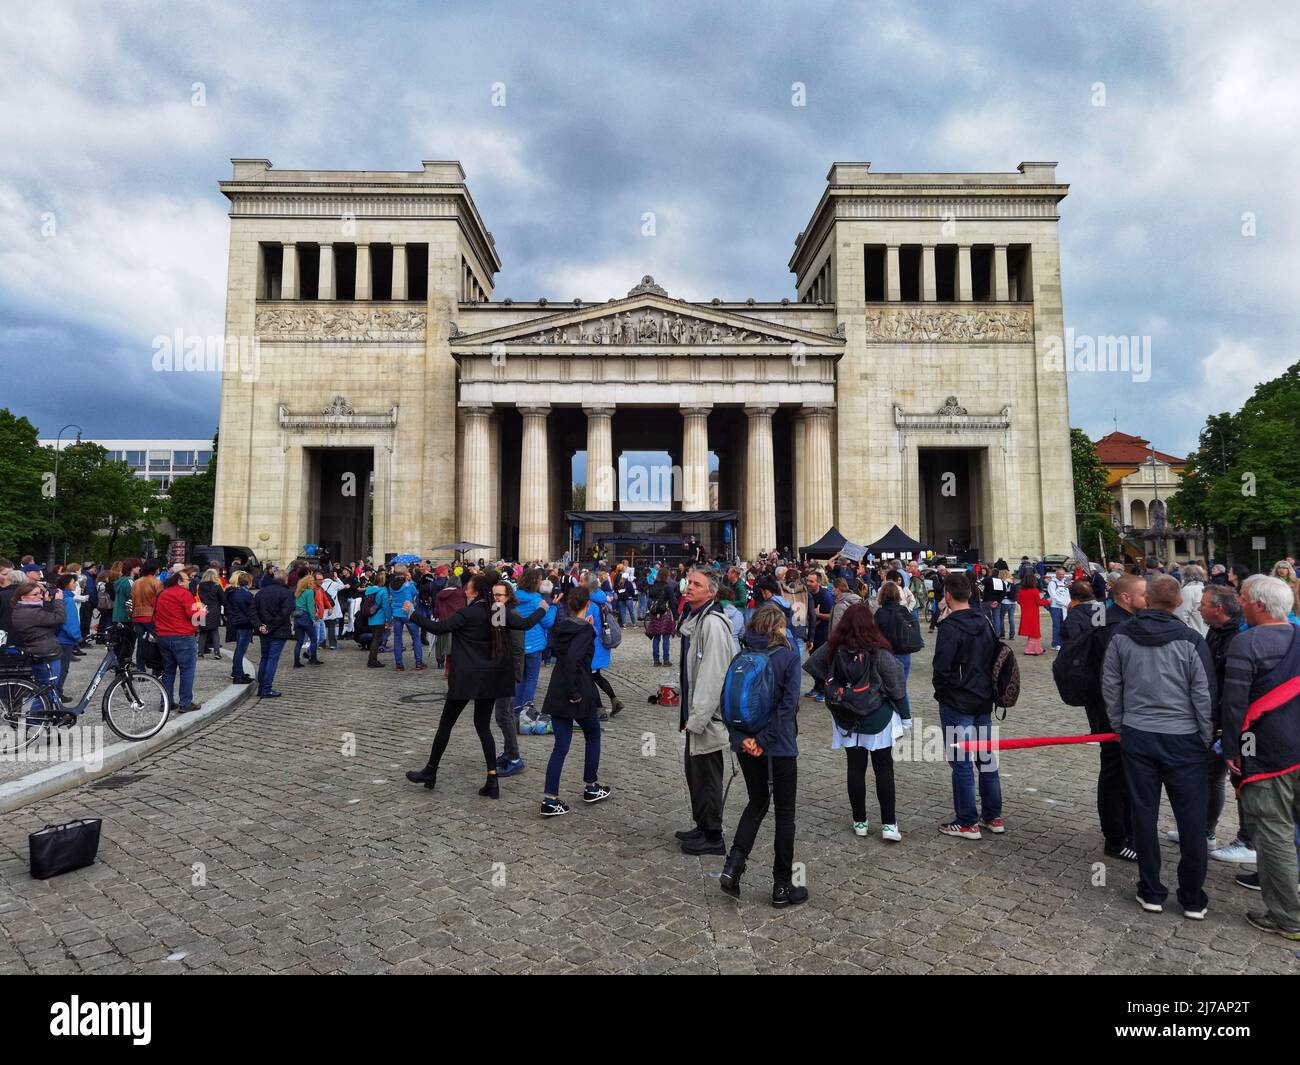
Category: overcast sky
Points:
column 112, row 230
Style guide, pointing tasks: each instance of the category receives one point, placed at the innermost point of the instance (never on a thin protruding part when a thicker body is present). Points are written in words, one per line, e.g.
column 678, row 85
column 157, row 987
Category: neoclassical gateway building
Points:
column 396, row 404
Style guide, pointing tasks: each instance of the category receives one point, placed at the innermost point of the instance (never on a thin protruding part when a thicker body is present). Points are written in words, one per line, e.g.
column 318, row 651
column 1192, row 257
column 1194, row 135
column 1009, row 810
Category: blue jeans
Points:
column 563, row 737
column 271, row 649
column 304, row 632
column 957, row 727
column 666, row 645
column 48, row 672
column 243, row 637
column 401, row 626
column 1058, row 615
column 626, row 609
column 906, row 662
column 179, row 652
column 1006, row 620
column 643, row 604
column 526, row 689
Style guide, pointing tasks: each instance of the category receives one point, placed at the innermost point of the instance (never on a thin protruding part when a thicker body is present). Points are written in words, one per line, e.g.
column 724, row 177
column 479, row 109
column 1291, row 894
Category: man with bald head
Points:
column 1158, row 685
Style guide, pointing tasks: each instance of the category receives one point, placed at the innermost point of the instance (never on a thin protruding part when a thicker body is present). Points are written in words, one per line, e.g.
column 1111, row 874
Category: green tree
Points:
column 1090, row 495
column 24, row 511
column 190, row 503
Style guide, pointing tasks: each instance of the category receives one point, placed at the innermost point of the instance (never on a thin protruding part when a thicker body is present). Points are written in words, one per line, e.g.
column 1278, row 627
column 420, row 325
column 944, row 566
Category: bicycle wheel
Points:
column 23, row 710
column 136, row 705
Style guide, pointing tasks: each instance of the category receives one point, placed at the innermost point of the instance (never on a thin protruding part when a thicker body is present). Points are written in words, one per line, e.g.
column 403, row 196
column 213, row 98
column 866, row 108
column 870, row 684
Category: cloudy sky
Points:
column 1181, row 223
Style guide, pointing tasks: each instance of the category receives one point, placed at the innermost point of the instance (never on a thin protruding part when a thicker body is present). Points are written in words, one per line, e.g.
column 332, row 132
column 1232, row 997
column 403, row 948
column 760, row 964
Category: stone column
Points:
column 695, row 468
column 893, row 291
column 476, row 475
column 363, row 272
column 601, row 475
column 929, row 287
column 758, row 532
column 325, row 287
column 534, row 486
column 1001, row 288
column 819, row 495
column 494, row 468
column 965, row 292
column 399, row 271
column 289, row 272
column 798, row 467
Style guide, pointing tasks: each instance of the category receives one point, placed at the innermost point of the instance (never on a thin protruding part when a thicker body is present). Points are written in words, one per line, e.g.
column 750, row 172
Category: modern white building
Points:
column 160, row 461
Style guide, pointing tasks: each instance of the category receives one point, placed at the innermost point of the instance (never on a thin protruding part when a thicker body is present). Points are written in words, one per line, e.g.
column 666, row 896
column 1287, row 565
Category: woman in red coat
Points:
column 1029, row 599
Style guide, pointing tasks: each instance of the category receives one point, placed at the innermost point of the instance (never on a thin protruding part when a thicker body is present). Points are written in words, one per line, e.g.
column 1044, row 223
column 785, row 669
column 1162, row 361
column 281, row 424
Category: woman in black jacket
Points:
column 661, row 616
column 213, row 597
column 898, row 625
column 482, row 670
column 241, row 618
column 571, row 696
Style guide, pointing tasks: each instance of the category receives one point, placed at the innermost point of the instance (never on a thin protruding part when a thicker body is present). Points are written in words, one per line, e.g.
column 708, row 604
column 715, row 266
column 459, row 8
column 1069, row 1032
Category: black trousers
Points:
column 376, row 632
column 1114, row 810
column 1153, row 759
column 784, row 779
column 604, row 685
column 882, row 761
column 482, row 725
column 704, row 782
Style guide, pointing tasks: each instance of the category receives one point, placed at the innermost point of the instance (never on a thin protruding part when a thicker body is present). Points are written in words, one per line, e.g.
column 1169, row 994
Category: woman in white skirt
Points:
column 865, row 713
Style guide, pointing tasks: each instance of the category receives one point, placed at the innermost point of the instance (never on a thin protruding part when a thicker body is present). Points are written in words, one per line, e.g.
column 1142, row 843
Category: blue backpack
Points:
column 749, row 692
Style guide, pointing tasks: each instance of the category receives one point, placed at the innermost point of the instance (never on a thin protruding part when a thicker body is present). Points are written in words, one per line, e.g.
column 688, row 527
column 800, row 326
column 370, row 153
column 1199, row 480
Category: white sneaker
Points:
column 1150, row 907
column 861, row 828
column 1236, row 851
column 890, row 832
column 1210, row 841
column 1173, row 834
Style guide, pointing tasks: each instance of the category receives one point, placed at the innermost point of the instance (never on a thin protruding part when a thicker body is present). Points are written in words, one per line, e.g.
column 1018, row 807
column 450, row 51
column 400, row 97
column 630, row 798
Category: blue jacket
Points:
column 406, row 593
column 600, row 658
column 382, row 614
column 92, row 587
column 777, row 738
column 70, row 634
column 239, row 609
column 535, row 638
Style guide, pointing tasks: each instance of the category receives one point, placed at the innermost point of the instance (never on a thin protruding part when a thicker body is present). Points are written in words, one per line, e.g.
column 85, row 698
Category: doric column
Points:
column 759, row 531
column 1001, row 288
column 929, row 289
column 534, row 486
column 289, row 272
column 494, row 468
column 695, row 466
column 325, row 287
column 819, row 497
column 893, row 292
column 399, row 271
column 798, row 468
column 476, row 476
column 601, row 475
column 363, row 272
column 964, row 290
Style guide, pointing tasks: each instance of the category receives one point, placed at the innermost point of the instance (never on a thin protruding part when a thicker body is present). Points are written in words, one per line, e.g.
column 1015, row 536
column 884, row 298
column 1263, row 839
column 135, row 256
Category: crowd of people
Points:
column 1198, row 673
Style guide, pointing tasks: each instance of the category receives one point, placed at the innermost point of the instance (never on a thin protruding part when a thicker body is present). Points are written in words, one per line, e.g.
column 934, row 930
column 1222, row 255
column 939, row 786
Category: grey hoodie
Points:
column 1158, row 676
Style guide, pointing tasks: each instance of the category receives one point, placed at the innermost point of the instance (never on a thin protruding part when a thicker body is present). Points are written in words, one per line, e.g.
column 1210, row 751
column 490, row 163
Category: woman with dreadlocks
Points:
column 482, row 670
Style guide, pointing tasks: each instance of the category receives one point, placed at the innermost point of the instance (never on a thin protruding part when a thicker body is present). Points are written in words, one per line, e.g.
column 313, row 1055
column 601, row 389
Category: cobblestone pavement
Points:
column 255, row 845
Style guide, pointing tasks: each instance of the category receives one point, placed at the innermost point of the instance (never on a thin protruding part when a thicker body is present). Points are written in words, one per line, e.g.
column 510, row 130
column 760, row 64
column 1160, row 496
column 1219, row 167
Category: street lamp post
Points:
column 54, row 496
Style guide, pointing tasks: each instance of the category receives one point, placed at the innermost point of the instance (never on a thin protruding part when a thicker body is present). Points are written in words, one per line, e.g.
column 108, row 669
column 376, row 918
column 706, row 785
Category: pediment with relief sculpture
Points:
column 645, row 317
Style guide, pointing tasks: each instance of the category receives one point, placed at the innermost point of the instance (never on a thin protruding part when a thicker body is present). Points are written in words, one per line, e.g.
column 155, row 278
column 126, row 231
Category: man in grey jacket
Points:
column 706, row 652
column 1158, row 685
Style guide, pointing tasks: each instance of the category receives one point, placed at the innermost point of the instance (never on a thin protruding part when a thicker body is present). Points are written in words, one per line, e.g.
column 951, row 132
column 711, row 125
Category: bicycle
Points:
column 135, row 704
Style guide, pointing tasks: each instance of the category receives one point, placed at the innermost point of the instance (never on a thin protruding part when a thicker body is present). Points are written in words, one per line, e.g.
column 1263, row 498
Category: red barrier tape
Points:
column 982, row 746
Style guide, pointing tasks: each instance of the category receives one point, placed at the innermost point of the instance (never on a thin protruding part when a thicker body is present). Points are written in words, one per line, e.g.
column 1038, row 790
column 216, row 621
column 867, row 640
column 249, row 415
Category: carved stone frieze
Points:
column 326, row 322
column 913, row 324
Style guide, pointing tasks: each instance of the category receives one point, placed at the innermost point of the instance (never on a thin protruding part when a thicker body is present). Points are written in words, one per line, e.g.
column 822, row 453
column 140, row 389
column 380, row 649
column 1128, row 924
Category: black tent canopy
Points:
column 828, row 546
column 896, row 542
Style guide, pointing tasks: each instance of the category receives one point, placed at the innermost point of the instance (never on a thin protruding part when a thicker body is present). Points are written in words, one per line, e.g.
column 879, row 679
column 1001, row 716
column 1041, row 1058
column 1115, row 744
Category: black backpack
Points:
column 1005, row 674
column 1077, row 667
column 855, row 694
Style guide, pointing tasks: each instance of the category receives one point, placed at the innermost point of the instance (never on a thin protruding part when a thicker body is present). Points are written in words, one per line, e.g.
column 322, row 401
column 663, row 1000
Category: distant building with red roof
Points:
column 1141, row 480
